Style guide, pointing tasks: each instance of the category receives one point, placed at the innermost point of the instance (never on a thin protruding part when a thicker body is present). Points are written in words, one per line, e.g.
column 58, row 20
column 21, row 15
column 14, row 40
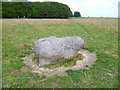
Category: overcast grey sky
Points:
column 92, row 8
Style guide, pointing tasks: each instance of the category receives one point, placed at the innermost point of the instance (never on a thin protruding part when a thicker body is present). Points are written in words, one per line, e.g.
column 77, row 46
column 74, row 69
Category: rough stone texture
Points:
column 52, row 49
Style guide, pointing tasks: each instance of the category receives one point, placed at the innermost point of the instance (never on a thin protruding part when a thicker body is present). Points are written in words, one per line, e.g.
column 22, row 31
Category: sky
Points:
column 91, row 8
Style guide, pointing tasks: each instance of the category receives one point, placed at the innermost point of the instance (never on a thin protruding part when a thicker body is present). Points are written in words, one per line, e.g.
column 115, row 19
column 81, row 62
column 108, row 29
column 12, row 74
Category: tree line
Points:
column 35, row 10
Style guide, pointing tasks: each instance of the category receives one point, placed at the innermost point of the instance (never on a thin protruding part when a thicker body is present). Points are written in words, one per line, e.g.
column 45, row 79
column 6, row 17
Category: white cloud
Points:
column 96, row 3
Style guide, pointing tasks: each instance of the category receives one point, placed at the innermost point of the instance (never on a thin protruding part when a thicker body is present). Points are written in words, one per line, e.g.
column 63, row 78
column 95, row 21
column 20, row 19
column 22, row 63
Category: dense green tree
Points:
column 35, row 10
column 77, row 14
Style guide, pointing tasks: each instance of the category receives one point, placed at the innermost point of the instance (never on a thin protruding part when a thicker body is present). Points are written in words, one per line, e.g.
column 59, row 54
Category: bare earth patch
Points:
column 89, row 59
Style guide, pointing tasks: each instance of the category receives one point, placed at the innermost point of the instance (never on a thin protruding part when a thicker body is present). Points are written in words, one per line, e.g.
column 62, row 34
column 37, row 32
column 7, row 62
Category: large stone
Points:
column 52, row 49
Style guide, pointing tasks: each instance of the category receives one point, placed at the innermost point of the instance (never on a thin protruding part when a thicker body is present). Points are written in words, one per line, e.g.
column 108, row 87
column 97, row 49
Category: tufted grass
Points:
column 100, row 35
column 69, row 62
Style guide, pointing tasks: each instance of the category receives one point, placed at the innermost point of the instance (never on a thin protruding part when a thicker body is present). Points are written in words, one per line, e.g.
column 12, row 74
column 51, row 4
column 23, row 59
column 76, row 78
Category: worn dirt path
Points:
column 89, row 59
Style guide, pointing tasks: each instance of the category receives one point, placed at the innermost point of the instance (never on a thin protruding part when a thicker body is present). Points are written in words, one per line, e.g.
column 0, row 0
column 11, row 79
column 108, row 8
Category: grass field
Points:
column 0, row 54
column 100, row 35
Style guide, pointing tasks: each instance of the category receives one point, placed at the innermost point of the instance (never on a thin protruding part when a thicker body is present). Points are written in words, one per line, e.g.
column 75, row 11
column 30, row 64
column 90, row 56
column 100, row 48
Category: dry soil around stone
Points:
column 89, row 59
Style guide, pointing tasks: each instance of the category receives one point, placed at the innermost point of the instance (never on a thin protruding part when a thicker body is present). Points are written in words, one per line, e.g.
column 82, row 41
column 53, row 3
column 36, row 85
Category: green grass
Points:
column 71, row 62
column 0, row 54
column 18, row 38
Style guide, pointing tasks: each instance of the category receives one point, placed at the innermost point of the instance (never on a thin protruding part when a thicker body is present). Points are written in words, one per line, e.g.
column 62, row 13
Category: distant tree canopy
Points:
column 77, row 14
column 19, row 0
column 35, row 10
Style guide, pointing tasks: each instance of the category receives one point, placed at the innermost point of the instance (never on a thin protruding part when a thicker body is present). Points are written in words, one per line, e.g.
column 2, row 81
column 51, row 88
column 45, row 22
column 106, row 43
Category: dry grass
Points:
column 102, row 23
column 35, row 21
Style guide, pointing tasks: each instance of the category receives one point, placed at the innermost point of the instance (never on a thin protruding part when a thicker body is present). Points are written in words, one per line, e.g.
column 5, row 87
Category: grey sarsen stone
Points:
column 52, row 49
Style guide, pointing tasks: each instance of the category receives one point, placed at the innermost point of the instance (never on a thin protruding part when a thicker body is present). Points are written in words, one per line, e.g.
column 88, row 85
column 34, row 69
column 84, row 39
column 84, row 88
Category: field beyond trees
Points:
column 100, row 35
